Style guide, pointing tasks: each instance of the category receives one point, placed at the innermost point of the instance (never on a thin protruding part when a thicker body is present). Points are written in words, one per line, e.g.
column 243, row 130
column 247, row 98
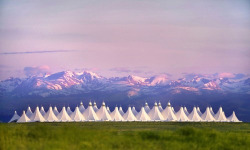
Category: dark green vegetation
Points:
column 125, row 135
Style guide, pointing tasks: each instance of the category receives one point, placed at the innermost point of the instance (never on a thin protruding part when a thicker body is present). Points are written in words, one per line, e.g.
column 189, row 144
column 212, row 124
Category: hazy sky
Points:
column 116, row 38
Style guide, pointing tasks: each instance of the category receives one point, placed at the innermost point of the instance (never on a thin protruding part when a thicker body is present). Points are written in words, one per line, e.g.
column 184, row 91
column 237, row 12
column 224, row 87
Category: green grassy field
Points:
column 124, row 135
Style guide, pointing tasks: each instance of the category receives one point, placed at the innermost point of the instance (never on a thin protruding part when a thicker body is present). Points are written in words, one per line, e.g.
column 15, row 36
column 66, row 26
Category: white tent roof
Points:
column 15, row 117
column 37, row 116
column 173, row 109
column 89, row 114
column 50, row 116
column 160, row 107
column 194, row 116
column 211, row 110
column 129, row 115
column 155, row 114
column 168, row 113
column 29, row 113
column 69, row 111
column 134, row 111
column 142, row 115
column 108, row 110
column 233, row 118
column 220, row 116
column 103, row 114
column 63, row 116
column 116, row 116
column 81, row 108
column 42, row 111
column 95, row 107
column 181, row 116
column 186, row 111
column 199, row 111
column 23, row 118
column 55, row 111
column 207, row 116
column 147, row 109
column 77, row 115
column 121, row 111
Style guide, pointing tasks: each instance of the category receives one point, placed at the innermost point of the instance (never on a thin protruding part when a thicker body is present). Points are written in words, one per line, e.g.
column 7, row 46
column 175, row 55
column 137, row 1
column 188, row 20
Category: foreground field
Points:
column 125, row 135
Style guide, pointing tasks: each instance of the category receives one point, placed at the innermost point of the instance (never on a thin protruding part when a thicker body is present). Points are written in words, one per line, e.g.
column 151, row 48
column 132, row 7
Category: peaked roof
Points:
column 199, row 111
column 211, row 110
column 81, row 108
column 116, row 116
column 63, row 116
column 155, row 114
column 233, row 118
column 147, row 109
column 69, row 111
column 15, row 117
column 37, row 116
column 23, row 118
column 103, row 114
column 29, row 113
column 95, row 107
column 121, row 111
column 168, row 113
column 129, row 115
column 77, row 115
column 194, row 116
column 89, row 114
column 220, row 116
column 142, row 115
column 134, row 111
column 181, row 116
column 50, row 116
column 108, row 110
column 160, row 107
column 207, row 116
column 42, row 111
column 55, row 111
column 173, row 109
column 186, row 111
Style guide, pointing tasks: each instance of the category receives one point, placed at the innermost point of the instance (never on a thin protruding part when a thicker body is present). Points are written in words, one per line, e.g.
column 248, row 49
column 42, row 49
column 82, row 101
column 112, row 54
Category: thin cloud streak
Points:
column 37, row 52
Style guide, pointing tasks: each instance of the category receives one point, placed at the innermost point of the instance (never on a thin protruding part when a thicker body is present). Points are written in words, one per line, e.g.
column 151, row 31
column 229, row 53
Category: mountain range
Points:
column 68, row 88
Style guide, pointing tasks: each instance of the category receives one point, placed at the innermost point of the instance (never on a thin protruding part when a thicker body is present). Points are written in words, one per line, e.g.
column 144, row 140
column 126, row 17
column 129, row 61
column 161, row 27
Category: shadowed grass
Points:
column 125, row 135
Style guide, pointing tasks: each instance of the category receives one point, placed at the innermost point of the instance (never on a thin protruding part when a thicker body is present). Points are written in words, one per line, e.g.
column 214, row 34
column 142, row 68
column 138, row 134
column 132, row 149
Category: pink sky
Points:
column 116, row 38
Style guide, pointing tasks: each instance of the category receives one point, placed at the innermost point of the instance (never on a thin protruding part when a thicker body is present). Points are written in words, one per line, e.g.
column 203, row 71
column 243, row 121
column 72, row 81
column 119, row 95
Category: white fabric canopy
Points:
column 103, row 114
column 168, row 113
column 29, row 113
column 77, row 115
column 155, row 114
column 142, row 115
column 129, row 115
column 207, row 116
column 181, row 116
column 233, row 118
column 15, row 117
column 37, row 116
column 42, row 111
column 194, row 116
column 63, row 116
column 23, row 118
column 89, row 114
column 220, row 116
column 116, row 116
column 50, row 116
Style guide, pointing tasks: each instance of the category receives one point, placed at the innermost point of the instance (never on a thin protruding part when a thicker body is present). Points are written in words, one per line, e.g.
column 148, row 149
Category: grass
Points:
column 124, row 135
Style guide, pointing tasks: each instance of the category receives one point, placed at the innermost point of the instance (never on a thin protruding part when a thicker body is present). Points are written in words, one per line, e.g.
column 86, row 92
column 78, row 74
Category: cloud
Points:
column 36, row 71
column 36, row 52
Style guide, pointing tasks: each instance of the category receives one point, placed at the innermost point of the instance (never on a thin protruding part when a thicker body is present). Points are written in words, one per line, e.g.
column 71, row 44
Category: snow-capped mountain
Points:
column 68, row 82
